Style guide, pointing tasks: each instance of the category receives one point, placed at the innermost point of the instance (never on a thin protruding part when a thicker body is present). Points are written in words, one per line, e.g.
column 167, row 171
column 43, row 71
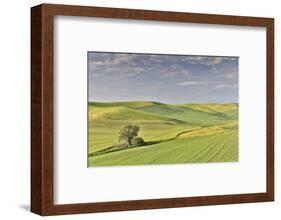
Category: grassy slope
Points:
column 212, row 148
column 160, row 121
column 104, row 133
column 185, row 114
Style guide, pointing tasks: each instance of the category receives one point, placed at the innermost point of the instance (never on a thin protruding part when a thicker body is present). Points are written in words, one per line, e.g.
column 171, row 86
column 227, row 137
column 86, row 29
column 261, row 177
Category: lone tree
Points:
column 137, row 141
column 128, row 132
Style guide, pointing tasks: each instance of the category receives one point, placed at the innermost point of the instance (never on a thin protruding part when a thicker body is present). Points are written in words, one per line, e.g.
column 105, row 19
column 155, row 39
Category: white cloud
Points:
column 112, row 60
column 207, row 60
column 166, row 75
column 130, row 74
column 214, row 70
column 230, row 58
column 226, row 86
column 230, row 75
column 170, row 74
column 121, row 58
column 173, row 70
column 187, row 83
column 203, row 60
column 216, row 60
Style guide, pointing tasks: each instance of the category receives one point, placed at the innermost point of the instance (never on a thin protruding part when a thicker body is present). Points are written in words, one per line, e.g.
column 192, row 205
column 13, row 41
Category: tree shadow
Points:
column 116, row 148
column 148, row 143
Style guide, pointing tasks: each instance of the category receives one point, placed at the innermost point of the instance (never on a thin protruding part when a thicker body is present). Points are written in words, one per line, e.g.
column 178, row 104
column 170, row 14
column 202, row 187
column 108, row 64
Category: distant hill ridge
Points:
column 177, row 113
column 146, row 103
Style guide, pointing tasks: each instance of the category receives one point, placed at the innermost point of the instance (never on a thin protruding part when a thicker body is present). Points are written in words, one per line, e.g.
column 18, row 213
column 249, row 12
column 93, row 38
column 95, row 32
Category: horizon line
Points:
column 108, row 102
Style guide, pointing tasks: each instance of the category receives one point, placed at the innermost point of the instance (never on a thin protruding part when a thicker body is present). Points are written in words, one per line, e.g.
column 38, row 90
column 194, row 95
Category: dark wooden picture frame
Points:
column 42, row 109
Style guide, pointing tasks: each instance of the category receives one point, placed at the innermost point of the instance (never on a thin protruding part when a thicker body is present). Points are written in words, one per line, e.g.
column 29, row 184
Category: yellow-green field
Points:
column 173, row 134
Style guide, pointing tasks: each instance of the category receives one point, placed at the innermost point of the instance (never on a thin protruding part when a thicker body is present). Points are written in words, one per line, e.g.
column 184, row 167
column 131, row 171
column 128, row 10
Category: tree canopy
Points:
column 128, row 132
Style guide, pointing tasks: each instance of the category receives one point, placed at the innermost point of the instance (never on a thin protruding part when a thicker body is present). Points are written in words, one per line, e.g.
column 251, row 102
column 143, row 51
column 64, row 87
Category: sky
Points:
column 171, row 79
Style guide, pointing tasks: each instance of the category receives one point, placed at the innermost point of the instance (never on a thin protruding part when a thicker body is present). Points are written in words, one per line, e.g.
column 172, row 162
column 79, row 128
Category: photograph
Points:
column 146, row 109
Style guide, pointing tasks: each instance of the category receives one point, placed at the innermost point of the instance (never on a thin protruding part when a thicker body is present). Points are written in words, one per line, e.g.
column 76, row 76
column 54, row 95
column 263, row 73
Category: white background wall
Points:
column 15, row 110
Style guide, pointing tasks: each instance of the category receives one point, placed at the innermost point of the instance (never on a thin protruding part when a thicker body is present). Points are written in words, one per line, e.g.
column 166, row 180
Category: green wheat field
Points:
column 172, row 133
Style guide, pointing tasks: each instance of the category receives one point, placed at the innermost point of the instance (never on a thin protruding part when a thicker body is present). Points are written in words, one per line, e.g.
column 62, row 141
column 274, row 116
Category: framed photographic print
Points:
column 148, row 120
column 138, row 109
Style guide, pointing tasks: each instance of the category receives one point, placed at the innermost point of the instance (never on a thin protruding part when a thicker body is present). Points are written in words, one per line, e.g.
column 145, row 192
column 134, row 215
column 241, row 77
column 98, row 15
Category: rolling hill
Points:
column 180, row 133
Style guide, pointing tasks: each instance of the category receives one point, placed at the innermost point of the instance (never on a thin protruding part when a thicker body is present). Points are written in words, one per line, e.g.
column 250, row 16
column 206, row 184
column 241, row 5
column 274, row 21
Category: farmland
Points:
column 173, row 134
